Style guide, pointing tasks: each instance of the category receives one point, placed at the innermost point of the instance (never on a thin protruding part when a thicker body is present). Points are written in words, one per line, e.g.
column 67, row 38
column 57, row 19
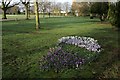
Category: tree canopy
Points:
column 114, row 14
column 100, row 8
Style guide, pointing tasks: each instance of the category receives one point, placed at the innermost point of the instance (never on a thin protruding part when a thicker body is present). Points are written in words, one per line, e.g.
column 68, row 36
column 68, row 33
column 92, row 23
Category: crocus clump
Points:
column 82, row 42
column 57, row 59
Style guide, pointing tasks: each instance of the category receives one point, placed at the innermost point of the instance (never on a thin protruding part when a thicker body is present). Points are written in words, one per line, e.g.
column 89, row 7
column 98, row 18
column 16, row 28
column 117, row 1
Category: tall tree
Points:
column 6, row 4
column 100, row 8
column 26, row 4
column 74, row 8
column 37, row 15
column 114, row 14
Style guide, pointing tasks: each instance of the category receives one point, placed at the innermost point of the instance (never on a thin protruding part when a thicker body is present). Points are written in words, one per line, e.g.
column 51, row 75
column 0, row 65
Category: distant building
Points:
column 13, row 10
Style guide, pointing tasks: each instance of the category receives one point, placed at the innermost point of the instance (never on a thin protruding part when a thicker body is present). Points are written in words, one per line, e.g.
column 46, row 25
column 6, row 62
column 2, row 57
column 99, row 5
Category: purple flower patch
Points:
column 57, row 59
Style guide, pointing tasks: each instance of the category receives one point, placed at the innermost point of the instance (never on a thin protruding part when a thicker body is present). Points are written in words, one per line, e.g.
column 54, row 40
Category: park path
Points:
column 13, row 19
column 7, row 19
column 2, row 20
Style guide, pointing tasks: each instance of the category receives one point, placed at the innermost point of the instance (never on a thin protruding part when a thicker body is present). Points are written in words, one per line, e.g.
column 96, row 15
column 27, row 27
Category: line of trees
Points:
column 105, row 10
column 45, row 6
column 6, row 4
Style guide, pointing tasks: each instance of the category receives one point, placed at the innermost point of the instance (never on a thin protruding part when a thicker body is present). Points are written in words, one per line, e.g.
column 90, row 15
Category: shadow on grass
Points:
column 28, row 26
column 63, row 23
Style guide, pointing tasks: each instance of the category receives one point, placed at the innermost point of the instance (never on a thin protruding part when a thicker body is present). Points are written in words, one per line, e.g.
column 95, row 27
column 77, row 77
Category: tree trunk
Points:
column 43, row 13
column 59, row 13
column 37, row 16
column 4, row 14
column 102, row 18
column 109, row 10
column 26, row 12
column 29, row 10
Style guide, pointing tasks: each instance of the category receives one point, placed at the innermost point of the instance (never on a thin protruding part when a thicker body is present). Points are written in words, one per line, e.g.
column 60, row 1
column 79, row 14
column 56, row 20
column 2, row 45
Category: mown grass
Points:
column 23, row 47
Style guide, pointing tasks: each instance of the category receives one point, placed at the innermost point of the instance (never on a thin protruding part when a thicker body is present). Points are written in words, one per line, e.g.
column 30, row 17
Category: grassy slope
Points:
column 23, row 47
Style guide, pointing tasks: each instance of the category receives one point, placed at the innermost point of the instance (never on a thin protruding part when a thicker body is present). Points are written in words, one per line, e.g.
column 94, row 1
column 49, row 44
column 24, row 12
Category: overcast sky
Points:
column 64, row 1
column 70, row 1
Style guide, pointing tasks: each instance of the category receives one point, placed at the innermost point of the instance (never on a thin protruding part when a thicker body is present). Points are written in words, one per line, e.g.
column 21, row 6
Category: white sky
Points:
column 70, row 1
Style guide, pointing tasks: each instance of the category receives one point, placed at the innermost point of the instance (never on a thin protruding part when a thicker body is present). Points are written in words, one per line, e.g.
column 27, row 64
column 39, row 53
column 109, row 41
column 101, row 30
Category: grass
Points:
column 23, row 47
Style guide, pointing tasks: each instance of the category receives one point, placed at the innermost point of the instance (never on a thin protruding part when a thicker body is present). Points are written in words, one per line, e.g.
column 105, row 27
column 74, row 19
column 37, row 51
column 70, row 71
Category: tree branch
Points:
column 8, row 3
column 12, row 5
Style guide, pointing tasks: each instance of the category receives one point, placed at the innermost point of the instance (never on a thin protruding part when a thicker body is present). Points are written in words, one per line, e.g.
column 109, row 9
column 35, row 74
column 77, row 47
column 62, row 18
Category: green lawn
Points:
column 23, row 47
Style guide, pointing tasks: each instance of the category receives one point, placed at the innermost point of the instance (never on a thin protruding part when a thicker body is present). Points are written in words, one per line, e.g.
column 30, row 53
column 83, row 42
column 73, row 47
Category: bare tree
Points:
column 80, row 8
column 58, row 7
column 55, row 8
column 26, row 4
column 84, row 8
column 66, row 7
column 44, row 7
column 6, row 4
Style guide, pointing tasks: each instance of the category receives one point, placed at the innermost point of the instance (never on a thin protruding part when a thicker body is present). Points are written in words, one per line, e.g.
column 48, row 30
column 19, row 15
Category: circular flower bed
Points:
column 72, row 52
